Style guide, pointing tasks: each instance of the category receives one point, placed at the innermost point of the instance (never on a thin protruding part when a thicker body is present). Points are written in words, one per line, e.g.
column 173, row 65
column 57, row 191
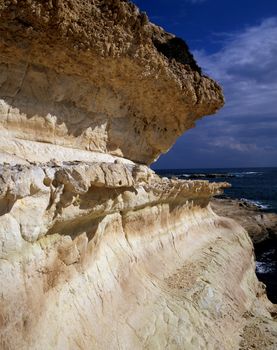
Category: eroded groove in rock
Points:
column 122, row 252
column 97, row 251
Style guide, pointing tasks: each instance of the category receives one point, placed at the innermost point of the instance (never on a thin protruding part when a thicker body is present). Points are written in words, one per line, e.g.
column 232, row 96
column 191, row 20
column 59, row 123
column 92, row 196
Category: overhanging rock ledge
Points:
column 95, row 76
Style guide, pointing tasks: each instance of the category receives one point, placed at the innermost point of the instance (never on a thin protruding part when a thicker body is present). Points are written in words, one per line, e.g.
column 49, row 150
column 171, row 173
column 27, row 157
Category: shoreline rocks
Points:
column 260, row 225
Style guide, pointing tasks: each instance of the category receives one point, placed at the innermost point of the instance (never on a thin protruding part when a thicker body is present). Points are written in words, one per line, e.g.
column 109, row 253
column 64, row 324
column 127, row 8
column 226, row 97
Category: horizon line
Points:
column 250, row 167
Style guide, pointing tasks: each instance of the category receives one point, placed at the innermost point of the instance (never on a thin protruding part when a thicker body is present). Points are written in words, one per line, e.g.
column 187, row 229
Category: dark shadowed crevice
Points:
column 176, row 48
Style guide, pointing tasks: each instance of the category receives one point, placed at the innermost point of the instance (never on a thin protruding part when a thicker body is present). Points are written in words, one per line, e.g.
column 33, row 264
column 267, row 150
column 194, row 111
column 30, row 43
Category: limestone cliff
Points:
column 94, row 76
column 97, row 251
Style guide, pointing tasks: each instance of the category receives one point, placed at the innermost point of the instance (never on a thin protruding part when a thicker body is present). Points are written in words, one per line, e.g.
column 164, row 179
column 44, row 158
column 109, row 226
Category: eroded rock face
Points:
column 97, row 251
column 95, row 76
column 112, row 256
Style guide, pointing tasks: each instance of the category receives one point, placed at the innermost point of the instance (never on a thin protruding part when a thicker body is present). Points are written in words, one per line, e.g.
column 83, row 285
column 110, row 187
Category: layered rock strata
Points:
column 104, row 256
column 94, row 76
column 98, row 252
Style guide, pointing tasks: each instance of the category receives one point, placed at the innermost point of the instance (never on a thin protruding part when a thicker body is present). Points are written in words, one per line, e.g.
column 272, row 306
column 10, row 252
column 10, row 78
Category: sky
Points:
column 235, row 42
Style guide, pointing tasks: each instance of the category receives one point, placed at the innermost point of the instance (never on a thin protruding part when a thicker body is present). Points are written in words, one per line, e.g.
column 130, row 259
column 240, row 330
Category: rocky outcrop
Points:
column 94, row 76
column 111, row 256
column 260, row 225
column 97, row 251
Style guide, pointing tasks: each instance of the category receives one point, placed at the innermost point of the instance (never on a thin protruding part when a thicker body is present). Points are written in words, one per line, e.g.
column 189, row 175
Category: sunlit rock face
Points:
column 95, row 76
column 97, row 251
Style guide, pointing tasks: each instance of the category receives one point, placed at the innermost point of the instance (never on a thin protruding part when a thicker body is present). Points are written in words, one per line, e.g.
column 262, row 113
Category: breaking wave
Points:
column 217, row 175
column 258, row 204
column 264, row 267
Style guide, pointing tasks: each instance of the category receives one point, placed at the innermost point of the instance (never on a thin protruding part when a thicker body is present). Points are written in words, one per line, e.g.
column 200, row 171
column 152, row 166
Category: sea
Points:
column 257, row 186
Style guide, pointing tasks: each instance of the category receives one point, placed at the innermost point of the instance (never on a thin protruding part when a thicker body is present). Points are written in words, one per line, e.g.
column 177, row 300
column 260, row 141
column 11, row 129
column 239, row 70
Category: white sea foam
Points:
column 245, row 173
column 220, row 175
column 263, row 267
column 258, row 204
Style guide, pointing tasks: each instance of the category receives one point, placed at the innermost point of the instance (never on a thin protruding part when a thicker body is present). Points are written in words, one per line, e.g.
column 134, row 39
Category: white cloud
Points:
column 233, row 144
column 244, row 133
column 246, row 68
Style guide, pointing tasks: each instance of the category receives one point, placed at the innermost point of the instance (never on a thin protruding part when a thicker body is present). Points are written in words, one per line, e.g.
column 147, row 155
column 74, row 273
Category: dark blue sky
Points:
column 235, row 42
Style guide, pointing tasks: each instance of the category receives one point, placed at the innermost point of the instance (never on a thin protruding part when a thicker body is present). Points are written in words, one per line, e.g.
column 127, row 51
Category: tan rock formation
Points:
column 111, row 256
column 90, row 75
column 259, row 225
column 98, row 252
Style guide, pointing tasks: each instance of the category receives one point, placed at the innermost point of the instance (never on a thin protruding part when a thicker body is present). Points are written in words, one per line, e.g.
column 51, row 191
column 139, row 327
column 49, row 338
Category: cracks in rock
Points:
column 111, row 270
column 21, row 82
column 134, row 331
column 125, row 231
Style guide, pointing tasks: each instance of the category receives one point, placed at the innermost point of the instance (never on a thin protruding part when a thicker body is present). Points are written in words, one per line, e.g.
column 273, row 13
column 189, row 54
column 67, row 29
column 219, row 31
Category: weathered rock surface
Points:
column 97, row 251
column 95, row 76
column 259, row 225
column 111, row 256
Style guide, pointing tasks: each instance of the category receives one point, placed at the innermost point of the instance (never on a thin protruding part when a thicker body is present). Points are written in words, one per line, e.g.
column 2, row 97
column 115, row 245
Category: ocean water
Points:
column 258, row 186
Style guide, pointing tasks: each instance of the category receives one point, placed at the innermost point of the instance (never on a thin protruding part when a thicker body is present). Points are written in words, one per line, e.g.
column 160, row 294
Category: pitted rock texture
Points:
column 95, row 76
